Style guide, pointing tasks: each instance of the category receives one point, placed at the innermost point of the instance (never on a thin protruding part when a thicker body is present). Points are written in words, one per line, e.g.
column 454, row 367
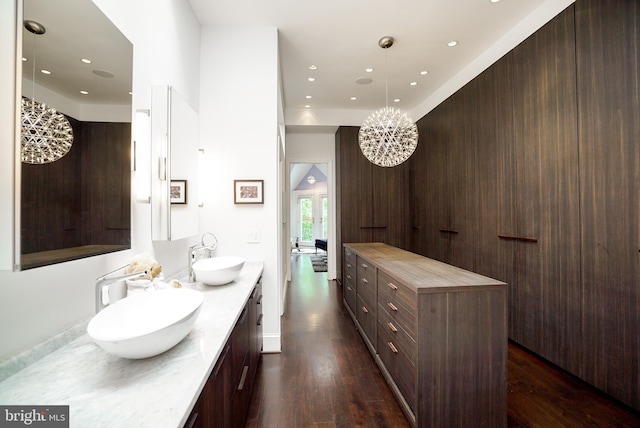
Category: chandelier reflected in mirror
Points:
column 46, row 135
column 388, row 137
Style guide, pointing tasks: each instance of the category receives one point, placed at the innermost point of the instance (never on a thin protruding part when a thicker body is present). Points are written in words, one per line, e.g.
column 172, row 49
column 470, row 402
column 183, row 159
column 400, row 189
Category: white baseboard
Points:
column 271, row 344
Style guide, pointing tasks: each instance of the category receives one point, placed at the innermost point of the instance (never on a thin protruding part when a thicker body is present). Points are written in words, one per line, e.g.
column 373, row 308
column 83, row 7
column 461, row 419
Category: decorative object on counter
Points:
column 388, row 137
column 178, row 191
column 46, row 134
column 218, row 270
column 146, row 324
column 153, row 274
column 248, row 191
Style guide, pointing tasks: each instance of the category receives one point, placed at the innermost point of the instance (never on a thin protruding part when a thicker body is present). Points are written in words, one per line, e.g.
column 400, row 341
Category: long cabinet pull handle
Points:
column 392, row 347
column 449, row 231
column 392, row 306
column 392, row 327
column 517, row 238
column 243, row 378
column 392, row 286
column 365, row 310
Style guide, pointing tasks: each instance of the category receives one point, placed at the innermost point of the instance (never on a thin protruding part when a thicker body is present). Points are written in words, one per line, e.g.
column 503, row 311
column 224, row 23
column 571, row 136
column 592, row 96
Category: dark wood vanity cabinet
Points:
column 437, row 332
column 225, row 398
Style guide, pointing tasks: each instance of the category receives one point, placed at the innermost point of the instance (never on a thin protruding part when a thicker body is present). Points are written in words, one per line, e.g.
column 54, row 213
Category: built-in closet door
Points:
column 608, row 58
column 545, row 295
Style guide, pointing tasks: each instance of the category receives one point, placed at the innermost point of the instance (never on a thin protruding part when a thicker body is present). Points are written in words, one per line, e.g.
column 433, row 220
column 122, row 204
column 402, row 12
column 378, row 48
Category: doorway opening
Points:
column 309, row 214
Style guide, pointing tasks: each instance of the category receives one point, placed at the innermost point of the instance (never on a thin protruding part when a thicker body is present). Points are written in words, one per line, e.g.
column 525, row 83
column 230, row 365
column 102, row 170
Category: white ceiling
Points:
column 341, row 38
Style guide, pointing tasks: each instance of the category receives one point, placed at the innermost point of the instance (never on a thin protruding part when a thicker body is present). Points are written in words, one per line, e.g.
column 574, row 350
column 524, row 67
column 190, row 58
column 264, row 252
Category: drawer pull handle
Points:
column 392, row 286
column 392, row 347
column 349, row 277
column 392, row 306
column 348, row 265
column 365, row 280
column 365, row 310
column 349, row 288
column 364, row 265
column 392, row 327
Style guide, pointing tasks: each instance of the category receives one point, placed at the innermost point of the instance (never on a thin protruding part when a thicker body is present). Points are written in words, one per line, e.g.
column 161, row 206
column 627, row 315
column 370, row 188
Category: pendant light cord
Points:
column 33, row 73
column 386, row 77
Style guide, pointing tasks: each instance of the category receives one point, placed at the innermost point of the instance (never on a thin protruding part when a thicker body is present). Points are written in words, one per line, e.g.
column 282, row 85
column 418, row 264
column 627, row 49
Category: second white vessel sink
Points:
column 218, row 270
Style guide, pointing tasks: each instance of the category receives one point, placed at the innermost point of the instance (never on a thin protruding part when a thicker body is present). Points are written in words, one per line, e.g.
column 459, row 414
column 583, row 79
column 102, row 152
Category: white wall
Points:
column 239, row 132
column 38, row 303
column 317, row 148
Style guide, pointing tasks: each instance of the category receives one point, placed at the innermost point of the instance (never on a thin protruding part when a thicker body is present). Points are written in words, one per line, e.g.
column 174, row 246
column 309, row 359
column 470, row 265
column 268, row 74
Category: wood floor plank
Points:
column 325, row 377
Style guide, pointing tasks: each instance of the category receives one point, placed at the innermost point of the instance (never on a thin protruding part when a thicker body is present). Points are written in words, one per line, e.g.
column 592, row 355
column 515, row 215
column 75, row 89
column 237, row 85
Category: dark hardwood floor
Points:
column 325, row 376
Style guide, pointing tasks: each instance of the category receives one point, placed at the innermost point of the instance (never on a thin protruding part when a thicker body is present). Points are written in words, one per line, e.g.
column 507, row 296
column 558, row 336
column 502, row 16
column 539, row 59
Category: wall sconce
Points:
column 141, row 156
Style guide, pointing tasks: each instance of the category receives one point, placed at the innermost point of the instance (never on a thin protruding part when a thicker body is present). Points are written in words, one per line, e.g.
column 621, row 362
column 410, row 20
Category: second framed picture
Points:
column 178, row 191
column 248, row 191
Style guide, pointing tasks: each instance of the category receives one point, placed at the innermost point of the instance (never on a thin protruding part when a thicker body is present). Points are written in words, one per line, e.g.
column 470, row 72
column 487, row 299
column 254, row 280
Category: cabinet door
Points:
column 216, row 405
column 355, row 188
column 608, row 54
column 546, row 294
column 492, row 118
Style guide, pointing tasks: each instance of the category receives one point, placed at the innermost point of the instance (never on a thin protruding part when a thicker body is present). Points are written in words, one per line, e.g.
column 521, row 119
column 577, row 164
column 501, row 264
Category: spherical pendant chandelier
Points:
column 388, row 137
column 46, row 134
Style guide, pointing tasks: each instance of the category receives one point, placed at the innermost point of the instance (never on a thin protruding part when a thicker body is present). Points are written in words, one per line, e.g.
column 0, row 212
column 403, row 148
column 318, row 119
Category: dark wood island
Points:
column 437, row 332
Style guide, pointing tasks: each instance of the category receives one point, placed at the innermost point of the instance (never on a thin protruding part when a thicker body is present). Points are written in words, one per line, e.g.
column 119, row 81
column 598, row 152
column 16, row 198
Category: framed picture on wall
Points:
column 178, row 191
column 248, row 191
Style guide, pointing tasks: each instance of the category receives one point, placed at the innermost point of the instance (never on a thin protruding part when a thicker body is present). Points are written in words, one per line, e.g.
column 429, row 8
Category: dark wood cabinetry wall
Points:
column 530, row 174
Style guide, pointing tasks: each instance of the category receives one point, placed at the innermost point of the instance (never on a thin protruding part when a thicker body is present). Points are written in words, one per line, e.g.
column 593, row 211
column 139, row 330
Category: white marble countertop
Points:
column 103, row 390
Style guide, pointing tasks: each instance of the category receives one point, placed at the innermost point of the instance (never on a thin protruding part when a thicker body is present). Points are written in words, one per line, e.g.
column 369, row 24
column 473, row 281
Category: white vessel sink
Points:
column 146, row 324
column 218, row 270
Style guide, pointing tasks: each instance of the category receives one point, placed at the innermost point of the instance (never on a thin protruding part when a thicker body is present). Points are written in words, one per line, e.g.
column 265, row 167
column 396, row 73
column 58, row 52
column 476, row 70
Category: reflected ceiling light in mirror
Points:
column 388, row 137
column 311, row 179
column 46, row 134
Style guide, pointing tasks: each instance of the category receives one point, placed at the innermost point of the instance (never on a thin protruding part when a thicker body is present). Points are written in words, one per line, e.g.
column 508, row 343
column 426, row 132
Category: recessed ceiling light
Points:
column 452, row 43
column 45, row 71
column 84, row 92
column 353, row 98
column 369, row 70
column 312, row 67
column 414, row 83
column 311, row 79
column 307, row 106
column 424, row 72
column 396, row 100
column 363, row 80
column 86, row 61
column 495, row 1
column 308, row 97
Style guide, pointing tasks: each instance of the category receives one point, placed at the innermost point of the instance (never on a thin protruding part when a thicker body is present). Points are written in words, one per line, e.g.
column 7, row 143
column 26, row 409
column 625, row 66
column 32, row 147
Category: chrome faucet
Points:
column 197, row 247
column 107, row 279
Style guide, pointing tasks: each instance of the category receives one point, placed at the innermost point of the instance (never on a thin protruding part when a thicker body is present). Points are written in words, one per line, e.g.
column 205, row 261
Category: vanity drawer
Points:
column 399, row 366
column 397, row 291
column 349, row 295
column 366, row 271
column 399, row 314
column 397, row 334
column 366, row 316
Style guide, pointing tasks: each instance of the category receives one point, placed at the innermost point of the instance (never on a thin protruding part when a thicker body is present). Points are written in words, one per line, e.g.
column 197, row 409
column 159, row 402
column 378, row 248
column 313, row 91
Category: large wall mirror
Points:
column 79, row 205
